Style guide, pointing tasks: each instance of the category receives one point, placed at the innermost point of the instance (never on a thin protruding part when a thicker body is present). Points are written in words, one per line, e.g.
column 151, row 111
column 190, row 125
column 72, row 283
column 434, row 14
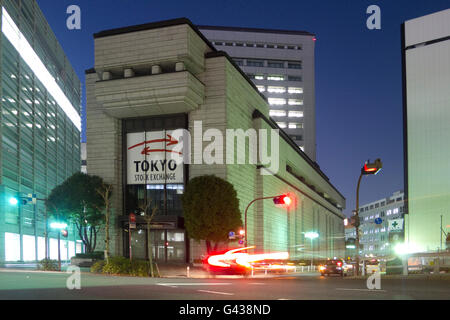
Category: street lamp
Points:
column 283, row 200
column 368, row 168
column 59, row 226
column 311, row 235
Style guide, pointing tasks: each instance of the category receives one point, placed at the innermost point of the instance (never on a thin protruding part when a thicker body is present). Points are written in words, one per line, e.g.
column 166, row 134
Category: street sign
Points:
column 378, row 221
column 231, row 235
column 132, row 225
column 32, row 198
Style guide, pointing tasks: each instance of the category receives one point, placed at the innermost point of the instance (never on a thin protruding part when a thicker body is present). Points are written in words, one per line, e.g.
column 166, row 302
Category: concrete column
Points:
column 106, row 75
column 179, row 66
column 156, row 69
column 128, row 73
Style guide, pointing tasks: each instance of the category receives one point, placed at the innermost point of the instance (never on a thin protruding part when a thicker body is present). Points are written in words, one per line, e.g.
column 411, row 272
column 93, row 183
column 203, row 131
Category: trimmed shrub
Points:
column 97, row 255
column 117, row 265
column 123, row 266
column 98, row 266
column 48, row 265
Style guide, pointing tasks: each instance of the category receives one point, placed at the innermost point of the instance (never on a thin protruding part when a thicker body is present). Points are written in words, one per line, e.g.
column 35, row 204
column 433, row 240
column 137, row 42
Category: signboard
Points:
column 132, row 218
column 231, row 235
column 378, row 221
column 154, row 158
column 395, row 225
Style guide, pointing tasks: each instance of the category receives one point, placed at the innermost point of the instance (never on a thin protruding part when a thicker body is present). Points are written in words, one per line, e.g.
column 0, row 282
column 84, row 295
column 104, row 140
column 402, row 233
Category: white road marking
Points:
column 367, row 290
column 194, row 284
column 257, row 283
column 217, row 292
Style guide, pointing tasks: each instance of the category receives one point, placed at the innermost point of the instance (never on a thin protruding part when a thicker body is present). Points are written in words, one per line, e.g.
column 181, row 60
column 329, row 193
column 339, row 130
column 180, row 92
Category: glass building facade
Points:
column 40, row 130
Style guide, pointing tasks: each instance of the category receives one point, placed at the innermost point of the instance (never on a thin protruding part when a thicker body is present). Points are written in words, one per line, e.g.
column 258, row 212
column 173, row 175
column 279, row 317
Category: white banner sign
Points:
column 395, row 225
column 151, row 158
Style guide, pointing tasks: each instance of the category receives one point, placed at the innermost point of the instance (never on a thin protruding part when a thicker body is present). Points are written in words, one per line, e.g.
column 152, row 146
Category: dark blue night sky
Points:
column 358, row 71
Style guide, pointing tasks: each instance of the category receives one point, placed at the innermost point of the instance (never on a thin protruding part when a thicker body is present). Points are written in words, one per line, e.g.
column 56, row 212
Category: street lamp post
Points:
column 312, row 235
column 58, row 226
column 369, row 168
column 281, row 199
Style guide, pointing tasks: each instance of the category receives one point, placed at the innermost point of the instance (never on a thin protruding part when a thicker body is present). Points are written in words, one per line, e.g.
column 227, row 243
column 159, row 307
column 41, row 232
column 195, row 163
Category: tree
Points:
column 211, row 209
column 148, row 219
column 77, row 201
column 105, row 191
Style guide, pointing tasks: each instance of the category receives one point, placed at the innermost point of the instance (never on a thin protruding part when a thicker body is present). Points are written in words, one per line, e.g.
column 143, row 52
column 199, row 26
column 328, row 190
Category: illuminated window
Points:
column 295, row 102
column 276, row 89
column 395, row 211
column 259, row 77
column 261, row 88
column 295, row 125
column 281, row 124
column 12, row 246
column 275, row 78
column 277, row 113
column 276, row 101
column 293, row 90
column 41, row 248
column 296, row 114
column 29, row 248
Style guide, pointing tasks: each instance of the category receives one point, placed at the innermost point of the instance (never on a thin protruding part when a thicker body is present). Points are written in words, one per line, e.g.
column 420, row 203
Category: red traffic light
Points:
column 372, row 168
column 284, row 200
column 64, row 233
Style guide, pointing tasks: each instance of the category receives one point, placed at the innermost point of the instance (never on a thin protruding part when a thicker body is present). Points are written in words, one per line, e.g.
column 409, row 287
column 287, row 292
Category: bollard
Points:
column 187, row 271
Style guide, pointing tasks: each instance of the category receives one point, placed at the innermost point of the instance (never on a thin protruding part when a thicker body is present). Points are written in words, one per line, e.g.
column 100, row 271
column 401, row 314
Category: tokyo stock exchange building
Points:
column 150, row 80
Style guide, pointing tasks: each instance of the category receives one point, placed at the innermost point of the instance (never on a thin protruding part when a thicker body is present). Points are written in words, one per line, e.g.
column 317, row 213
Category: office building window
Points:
column 259, row 77
column 255, row 63
column 276, row 101
column 291, row 47
column 293, row 90
column 295, row 102
column 295, row 78
column 239, row 44
column 270, row 46
column 282, row 125
column 239, row 62
column 272, row 89
column 260, row 45
column 294, row 65
column 277, row 113
column 297, row 137
column 229, row 44
column 249, row 44
column 275, row 64
column 295, row 125
column 295, row 114
column 261, row 88
column 275, row 77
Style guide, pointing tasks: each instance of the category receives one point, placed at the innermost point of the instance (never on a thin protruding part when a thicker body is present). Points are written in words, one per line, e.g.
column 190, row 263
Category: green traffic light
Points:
column 13, row 201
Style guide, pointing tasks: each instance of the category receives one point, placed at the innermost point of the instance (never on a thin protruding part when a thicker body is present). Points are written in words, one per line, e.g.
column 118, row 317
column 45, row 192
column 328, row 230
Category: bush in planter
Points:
column 98, row 266
column 117, row 265
column 48, row 265
column 140, row 268
column 97, row 255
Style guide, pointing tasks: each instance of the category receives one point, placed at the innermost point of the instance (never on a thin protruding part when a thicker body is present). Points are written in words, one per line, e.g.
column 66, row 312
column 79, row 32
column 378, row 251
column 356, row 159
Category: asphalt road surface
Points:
column 26, row 285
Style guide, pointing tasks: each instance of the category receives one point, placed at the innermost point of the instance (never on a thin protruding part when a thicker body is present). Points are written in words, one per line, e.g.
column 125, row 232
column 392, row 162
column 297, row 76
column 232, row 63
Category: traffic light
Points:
column 284, row 200
column 64, row 233
column 242, row 232
column 372, row 168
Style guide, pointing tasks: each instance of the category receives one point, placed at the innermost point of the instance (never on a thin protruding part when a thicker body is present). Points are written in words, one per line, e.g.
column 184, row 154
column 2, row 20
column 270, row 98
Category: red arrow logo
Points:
column 170, row 141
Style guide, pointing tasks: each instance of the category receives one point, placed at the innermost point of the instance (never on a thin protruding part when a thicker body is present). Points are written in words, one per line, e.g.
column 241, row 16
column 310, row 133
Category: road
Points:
column 39, row 285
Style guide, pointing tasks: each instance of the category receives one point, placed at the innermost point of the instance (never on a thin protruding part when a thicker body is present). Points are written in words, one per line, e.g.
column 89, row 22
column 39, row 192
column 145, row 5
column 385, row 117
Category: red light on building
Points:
column 283, row 200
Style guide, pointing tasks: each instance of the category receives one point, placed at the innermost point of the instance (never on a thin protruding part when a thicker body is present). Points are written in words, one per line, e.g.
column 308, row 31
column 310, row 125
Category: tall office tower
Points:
column 40, row 131
column 426, row 116
column 281, row 64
